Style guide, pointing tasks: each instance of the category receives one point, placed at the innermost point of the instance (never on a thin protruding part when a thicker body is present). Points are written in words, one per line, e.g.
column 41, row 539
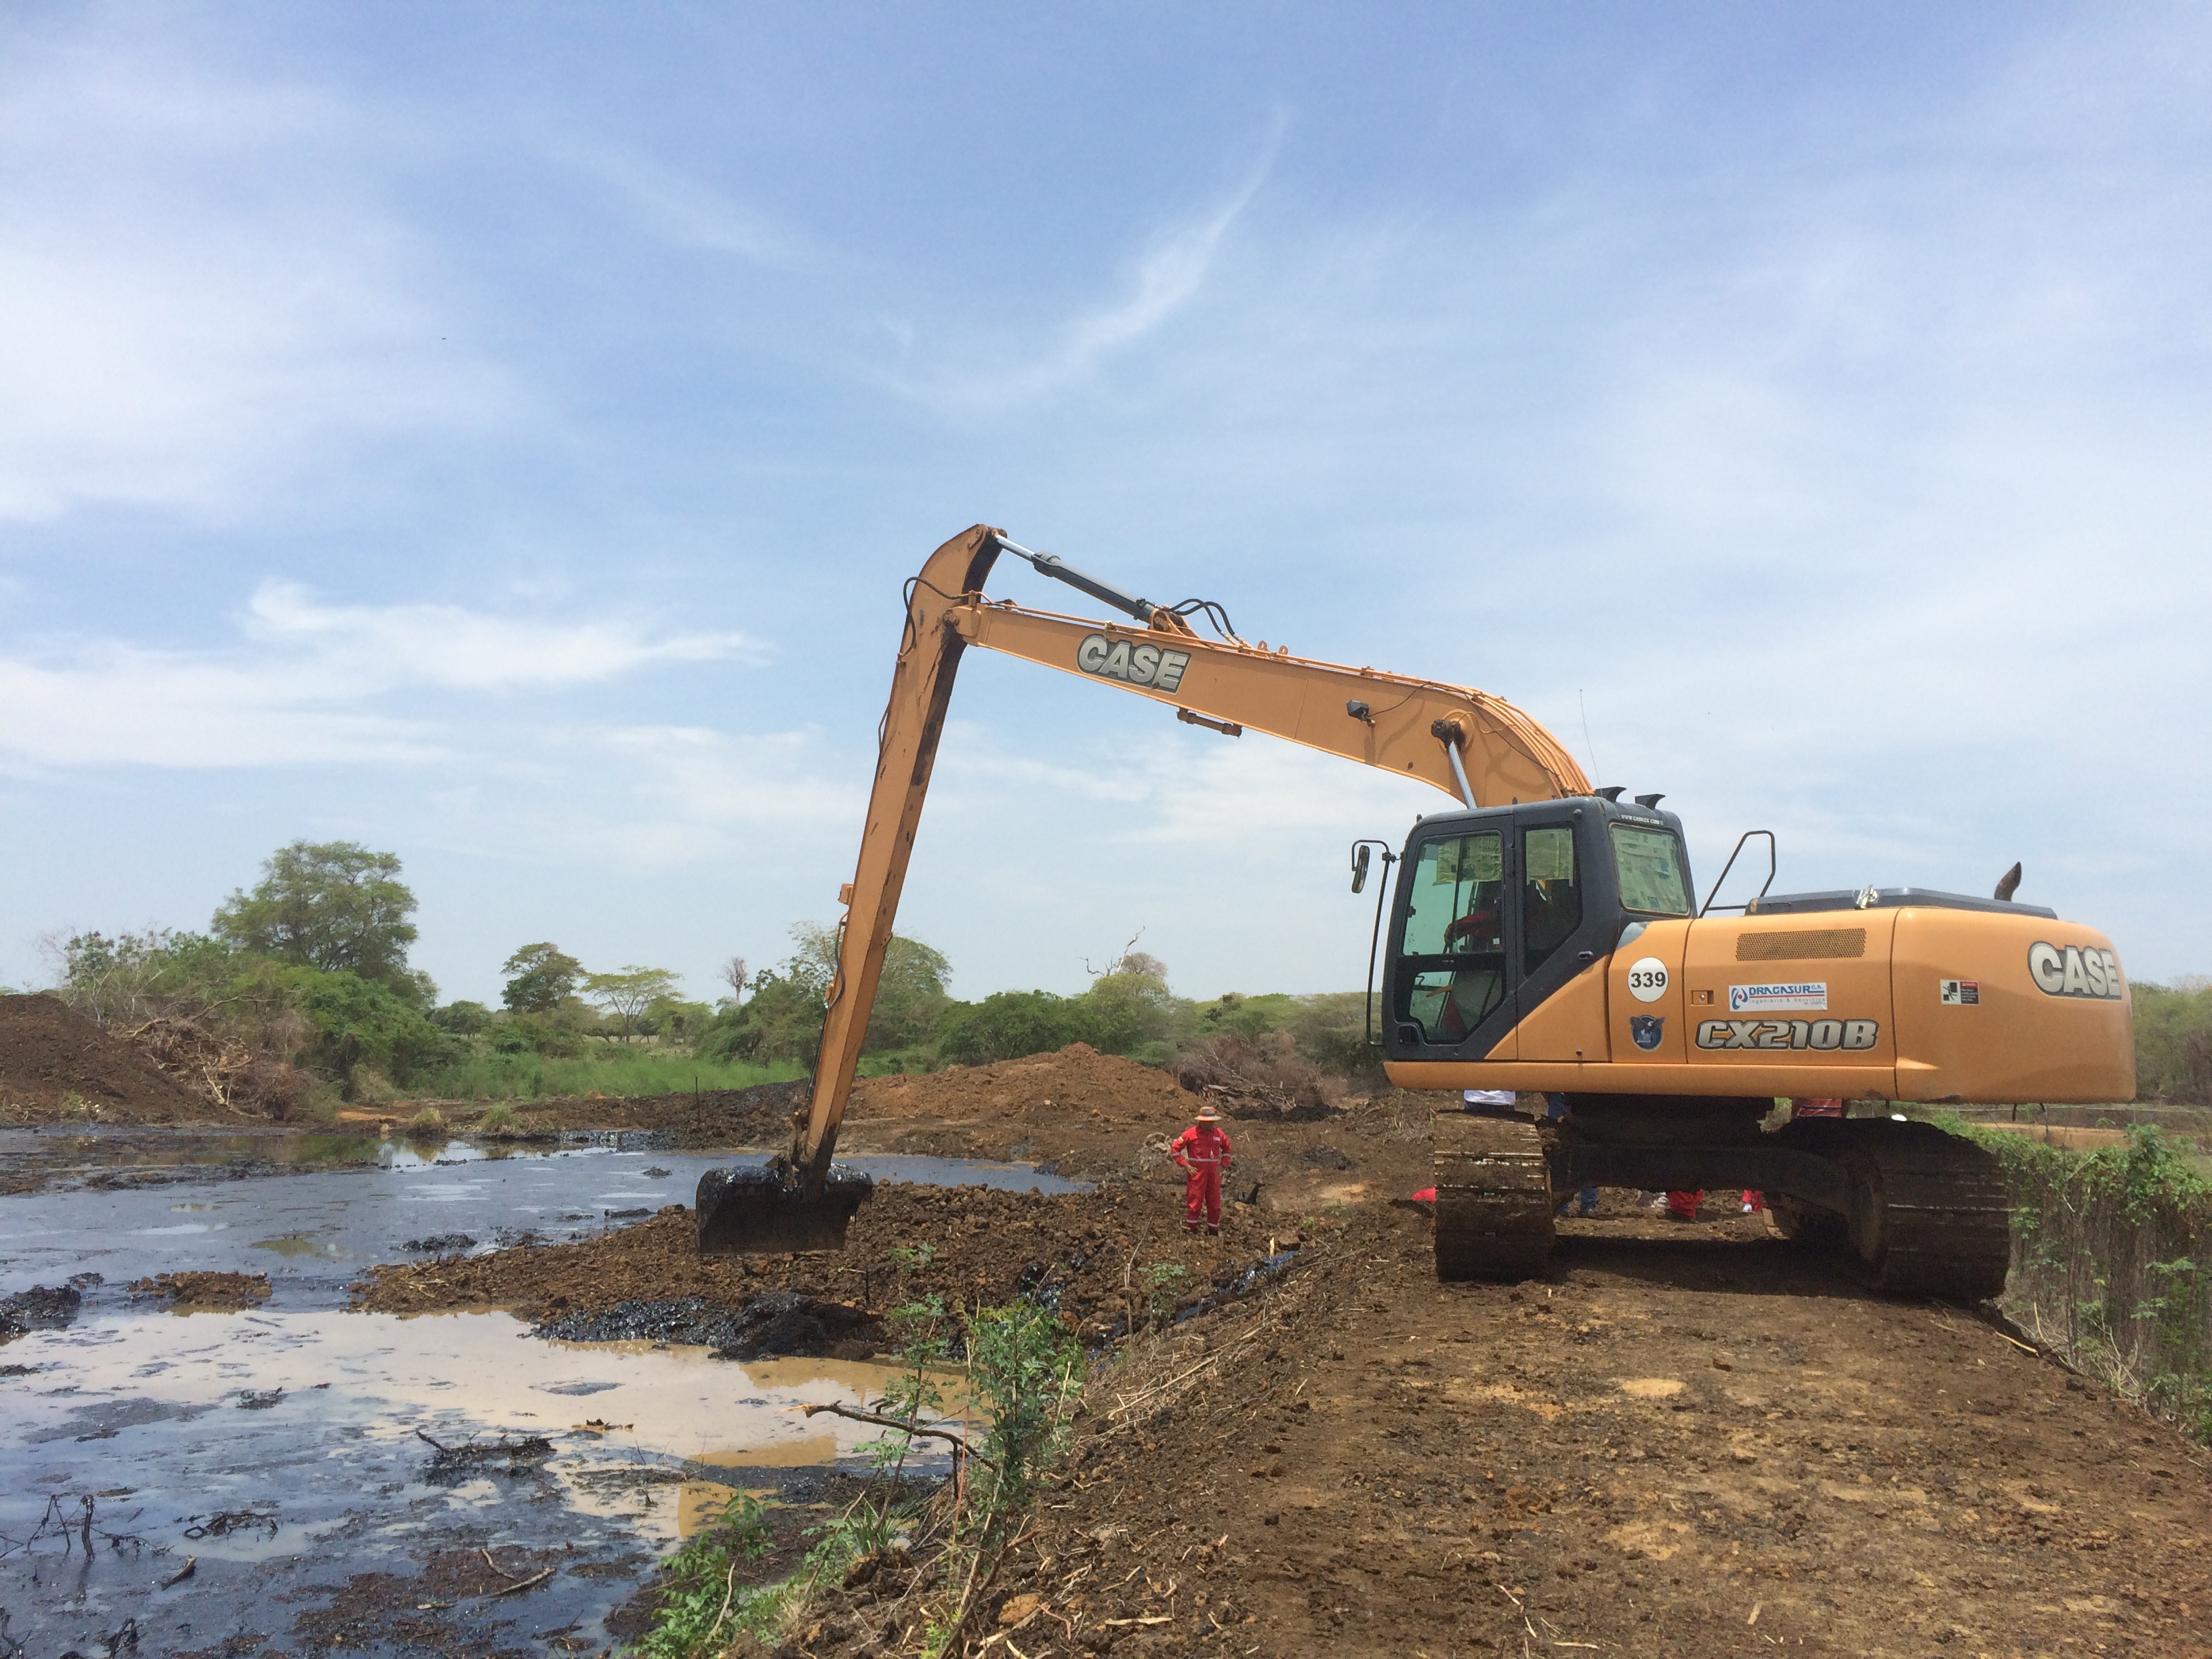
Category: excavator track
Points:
column 1493, row 1198
column 1928, row 1212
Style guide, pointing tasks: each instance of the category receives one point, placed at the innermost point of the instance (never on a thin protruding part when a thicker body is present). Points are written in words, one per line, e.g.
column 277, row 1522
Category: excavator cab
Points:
column 1498, row 908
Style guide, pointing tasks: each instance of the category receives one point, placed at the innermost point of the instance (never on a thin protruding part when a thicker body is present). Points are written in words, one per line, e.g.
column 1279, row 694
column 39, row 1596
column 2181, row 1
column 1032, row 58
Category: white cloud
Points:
column 688, row 213
column 295, row 689
column 200, row 288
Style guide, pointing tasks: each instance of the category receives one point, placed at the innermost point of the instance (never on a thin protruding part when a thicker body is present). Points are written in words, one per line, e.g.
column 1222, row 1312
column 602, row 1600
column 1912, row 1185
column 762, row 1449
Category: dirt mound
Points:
column 1096, row 1258
column 57, row 1067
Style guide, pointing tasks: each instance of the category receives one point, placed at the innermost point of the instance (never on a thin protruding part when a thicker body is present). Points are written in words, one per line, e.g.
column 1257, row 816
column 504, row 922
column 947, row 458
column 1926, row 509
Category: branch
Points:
column 903, row 1427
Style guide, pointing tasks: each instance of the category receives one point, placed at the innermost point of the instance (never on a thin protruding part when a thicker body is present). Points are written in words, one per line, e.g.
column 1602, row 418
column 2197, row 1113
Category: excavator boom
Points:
column 1476, row 748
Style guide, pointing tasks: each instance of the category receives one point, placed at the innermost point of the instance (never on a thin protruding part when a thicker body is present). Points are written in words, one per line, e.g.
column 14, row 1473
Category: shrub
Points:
column 462, row 1018
column 355, row 1021
column 426, row 1122
column 2112, row 1267
column 498, row 1119
column 1008, row 1024
column 2173, row 1042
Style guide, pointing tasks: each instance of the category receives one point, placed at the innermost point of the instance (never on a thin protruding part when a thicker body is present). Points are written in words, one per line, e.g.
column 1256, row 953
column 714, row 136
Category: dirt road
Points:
column 1686, row 1443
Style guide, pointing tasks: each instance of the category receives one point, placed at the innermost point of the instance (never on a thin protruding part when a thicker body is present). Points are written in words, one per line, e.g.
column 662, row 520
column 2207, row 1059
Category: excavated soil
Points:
column 1083, row 1115
column 57, row 1067
column 1098, row 1258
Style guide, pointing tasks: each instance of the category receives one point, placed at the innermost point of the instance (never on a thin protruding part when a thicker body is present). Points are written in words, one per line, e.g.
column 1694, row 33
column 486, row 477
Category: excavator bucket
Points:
column 765, row 1210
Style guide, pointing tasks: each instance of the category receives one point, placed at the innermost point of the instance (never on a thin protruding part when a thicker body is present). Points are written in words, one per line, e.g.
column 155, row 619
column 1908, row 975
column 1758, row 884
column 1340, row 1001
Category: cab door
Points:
column 1559, row 998
column 1449, row 980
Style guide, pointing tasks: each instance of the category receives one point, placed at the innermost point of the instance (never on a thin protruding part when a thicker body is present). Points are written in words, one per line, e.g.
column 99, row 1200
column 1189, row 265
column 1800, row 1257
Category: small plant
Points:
column 75, row 1105
column 500, row 1119
column 701, row 1609
column 426, row 1122
column 1164, row 1286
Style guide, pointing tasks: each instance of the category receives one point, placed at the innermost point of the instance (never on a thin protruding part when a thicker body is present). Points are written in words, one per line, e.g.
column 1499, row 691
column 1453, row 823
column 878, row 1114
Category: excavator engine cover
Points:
column 765, row 1210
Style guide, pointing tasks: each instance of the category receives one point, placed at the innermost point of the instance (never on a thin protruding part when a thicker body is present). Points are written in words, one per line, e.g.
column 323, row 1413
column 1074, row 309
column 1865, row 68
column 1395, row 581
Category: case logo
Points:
column 1647, row 1028
column 1787, row 1033
column 1137, row 665
column 2075, row 972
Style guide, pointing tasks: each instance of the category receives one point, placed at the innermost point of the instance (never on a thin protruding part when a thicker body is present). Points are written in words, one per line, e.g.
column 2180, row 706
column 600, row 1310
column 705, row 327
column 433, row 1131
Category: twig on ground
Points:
column 191, row 1564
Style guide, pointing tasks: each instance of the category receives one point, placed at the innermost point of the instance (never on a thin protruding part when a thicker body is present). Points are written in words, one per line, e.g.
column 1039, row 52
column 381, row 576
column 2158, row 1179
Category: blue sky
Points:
column 497, row 433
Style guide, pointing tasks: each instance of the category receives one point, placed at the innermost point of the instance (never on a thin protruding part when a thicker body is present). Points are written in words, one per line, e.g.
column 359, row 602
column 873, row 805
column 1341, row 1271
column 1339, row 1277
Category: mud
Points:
column 782, row 1322
column 205, row 1290
column 1102, row 1260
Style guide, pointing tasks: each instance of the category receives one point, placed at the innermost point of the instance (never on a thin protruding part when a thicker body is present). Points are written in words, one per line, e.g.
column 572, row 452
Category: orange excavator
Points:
column 1543, row 937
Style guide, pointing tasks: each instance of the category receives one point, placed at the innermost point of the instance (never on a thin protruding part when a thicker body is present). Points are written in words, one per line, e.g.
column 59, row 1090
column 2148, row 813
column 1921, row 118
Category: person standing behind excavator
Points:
column 1203, row 1153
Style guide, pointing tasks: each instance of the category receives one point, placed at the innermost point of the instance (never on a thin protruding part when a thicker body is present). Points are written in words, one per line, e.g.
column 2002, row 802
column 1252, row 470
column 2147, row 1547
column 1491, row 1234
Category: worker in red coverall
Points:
column 1203, row 1151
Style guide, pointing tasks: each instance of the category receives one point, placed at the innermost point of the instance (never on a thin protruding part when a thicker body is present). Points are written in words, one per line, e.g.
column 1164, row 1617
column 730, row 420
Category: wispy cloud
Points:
column 300, row 685
column 1163, row 278
column 687, row 212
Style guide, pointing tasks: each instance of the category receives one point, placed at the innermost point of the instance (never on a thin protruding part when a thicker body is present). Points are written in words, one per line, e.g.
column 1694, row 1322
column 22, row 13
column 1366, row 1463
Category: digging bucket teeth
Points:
column 763, row 1210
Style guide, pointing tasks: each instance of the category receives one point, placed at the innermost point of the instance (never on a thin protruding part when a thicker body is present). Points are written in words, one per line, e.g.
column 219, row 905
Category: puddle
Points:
column 324, row 1227
column 289, row 1447
column 320, row 1426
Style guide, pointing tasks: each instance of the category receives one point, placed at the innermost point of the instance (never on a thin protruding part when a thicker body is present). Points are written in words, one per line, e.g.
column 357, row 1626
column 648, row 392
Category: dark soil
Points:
column 780, row 1323
column 49, row 1053
column 1096, row 1257
column 41, row 1308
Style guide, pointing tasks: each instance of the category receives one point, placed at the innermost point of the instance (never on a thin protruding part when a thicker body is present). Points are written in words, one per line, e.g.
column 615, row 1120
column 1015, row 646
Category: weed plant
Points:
column 2112, row 1265
column 702, row 1610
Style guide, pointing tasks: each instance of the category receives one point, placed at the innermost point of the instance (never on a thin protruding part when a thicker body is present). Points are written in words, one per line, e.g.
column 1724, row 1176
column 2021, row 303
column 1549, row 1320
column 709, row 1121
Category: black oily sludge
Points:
column 783, row 1323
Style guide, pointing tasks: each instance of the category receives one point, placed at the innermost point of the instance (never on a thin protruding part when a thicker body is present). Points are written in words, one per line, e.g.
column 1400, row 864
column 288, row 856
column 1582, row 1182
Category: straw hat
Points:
column 1207, row 1114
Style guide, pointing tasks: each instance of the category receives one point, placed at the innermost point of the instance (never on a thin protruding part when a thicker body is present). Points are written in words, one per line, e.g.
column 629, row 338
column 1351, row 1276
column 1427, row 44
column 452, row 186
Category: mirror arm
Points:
column 1375, row 939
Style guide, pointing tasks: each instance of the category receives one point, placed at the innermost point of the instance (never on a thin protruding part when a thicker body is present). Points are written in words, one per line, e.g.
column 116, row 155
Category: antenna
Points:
column 1589, row 749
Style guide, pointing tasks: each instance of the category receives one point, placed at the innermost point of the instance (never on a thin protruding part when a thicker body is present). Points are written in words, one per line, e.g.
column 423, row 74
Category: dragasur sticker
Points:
column 1960, row 992
column 1804, row 995
column 1647, row 980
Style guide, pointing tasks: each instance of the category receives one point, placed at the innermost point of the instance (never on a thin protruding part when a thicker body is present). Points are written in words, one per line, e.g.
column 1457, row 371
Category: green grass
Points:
column 608, row 1071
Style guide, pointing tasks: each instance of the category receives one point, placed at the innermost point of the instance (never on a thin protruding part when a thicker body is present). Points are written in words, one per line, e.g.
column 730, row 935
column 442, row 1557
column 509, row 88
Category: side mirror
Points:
column 1359, row 868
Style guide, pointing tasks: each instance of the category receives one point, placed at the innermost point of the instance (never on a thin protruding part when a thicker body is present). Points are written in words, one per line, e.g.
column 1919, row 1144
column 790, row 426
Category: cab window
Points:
column 1455, row 939
column 1550, row 897
column 1649, row 863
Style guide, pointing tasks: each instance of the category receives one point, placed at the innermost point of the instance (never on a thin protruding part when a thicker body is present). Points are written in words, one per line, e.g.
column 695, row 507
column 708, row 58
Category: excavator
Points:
column 1544, row 938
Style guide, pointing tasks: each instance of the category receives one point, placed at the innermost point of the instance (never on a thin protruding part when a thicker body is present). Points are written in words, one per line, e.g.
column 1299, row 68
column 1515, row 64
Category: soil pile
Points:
column 206, row 1290
column 55, row 1067
column 1078, row 1112
column 1098, row 1258
column 1676, row 1441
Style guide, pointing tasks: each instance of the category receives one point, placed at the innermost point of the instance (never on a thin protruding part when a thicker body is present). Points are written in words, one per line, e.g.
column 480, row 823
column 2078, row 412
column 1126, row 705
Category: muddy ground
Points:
column 1685, row 1439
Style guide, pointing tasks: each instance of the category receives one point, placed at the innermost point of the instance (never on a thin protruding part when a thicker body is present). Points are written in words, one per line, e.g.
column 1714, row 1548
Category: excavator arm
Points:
column 1476, row 748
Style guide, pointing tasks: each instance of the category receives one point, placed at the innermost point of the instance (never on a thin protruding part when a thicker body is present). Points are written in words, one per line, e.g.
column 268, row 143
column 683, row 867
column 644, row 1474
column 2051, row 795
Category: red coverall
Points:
column 1203, row 1150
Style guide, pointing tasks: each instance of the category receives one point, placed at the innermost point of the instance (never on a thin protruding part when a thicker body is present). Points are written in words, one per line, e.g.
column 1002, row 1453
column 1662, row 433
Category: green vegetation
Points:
column 2112, row 1265
column 2173, row 1042
column 699, row 1600
column 331, row 906
column 491, row 1075
column 425, row 1124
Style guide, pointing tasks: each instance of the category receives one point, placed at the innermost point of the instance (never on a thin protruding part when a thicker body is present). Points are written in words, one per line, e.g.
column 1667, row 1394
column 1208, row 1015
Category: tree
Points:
column 910, row 996
column 539, row 979
column 333, row 905
column 629, row 993
column 734, row 976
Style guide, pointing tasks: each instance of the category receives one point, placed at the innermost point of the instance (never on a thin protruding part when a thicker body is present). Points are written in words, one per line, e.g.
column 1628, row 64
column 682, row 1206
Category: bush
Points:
column 462, row 1018
column 426, row 1122
column 1009, row 1024
column 498, row 1119
column 2173, row 1042
column 356, row 1022
column 536, row 1034
column 2112, row 1267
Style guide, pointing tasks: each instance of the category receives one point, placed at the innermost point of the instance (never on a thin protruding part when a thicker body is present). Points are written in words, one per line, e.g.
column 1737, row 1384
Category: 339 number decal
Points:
column 1647, row 980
